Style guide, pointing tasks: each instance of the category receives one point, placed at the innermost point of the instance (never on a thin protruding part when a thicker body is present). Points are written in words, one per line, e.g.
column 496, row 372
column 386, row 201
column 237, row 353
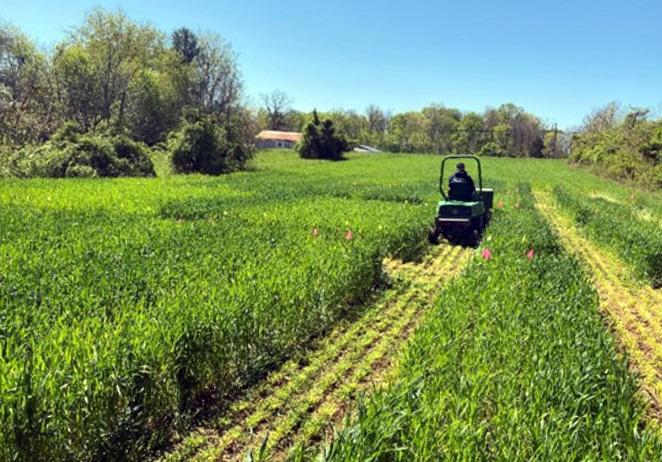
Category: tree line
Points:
column 508, row 130
column 113, row 92
column 111, row 72
column 113, row 77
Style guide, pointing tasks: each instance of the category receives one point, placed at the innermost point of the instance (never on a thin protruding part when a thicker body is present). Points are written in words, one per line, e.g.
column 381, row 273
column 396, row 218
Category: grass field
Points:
column 634, row 308
column 209, row 318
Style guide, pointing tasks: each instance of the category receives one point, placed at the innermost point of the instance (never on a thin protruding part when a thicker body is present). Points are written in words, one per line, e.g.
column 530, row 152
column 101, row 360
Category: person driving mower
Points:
column 461, row 185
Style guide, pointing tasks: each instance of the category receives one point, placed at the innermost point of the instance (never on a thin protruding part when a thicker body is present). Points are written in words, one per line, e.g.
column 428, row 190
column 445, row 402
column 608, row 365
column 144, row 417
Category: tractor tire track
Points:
column 297, row 404
column 634, row 309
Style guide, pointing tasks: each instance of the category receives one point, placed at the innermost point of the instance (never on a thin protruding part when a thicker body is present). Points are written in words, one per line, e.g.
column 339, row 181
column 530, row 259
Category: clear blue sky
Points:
column 558, row 59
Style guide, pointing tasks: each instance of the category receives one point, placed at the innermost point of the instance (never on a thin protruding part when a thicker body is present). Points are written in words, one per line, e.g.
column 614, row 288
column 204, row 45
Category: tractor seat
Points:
column 461, row 192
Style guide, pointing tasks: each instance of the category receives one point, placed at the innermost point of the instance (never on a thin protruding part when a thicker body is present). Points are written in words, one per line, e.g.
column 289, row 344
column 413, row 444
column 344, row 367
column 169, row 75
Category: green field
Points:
column 127, row 306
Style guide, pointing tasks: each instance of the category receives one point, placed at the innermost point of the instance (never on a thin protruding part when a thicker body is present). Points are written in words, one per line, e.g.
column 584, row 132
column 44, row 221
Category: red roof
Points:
column 279, row 136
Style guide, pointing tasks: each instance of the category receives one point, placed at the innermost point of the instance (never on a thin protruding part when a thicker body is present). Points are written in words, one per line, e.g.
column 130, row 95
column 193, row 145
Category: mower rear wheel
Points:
column 473, row 238
column 433, row 235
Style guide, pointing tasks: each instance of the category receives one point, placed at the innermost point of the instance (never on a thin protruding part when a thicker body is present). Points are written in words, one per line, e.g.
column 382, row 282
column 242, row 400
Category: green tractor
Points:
column 463, row 214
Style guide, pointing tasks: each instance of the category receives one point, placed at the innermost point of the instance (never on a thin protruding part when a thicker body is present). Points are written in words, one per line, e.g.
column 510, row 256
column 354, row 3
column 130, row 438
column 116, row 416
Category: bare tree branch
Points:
column 277, row 105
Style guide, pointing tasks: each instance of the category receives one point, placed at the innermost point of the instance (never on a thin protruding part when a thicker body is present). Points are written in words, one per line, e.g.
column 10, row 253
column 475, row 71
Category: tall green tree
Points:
column 407, row 133
column 217, row 85
column 79, row 89
column 185, row 44
column 118, row 50
column 27, row 111
column 441, row 125
column 321, row 141
column 515, row 131
column 471, row 136
column 155, row 107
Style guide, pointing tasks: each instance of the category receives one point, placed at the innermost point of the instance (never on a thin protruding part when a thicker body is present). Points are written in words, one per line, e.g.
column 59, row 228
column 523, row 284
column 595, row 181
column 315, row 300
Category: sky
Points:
column 557, row 59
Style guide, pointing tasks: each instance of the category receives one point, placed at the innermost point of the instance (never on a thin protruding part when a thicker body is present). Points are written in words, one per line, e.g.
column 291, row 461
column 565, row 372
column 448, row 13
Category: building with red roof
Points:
column 270, row 139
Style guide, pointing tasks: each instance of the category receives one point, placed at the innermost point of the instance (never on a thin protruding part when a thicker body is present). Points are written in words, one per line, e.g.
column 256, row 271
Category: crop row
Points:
column 298, row 402
column 514, row 364
column 125, row 304
column 633, row 308
column 617, row 226
column 118, row 314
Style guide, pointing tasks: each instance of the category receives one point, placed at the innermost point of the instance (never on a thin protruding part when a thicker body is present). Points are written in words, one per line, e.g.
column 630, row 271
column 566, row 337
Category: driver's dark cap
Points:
column 460, row 166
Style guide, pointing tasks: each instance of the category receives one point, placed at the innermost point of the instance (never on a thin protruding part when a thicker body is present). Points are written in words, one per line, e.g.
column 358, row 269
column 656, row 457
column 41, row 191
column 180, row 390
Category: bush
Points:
column 492, row 149
column 654, row 180
column 320, row 141
column 68, row 132
column 132, row 157
column 69, row 153
column 88, row 156
column 5, row 162
column 81, row 171
column 205, row 146
column 629, row 149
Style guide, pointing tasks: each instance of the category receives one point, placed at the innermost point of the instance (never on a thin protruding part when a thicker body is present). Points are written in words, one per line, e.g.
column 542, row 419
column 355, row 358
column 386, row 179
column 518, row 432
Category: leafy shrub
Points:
column 161, row 159
column 68, row 132
column 320, row 141
column 5, row 162
column 69, row 154
column 654, row 180
column 81, row 171
column 205, row 146
column 627, row 149
column 132, row 157
column 491, row 149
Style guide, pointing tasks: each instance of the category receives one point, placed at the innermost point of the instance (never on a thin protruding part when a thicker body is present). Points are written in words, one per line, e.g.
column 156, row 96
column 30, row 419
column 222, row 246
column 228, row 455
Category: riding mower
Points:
column 462, row 215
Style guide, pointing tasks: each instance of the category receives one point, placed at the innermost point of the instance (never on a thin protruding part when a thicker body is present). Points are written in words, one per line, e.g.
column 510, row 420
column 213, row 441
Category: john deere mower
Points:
column 463, row 213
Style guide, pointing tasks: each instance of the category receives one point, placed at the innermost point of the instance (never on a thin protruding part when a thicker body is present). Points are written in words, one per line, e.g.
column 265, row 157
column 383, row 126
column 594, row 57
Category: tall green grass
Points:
column 125, row 304
column 121, row 312
column 514, row 364
column 617, row 226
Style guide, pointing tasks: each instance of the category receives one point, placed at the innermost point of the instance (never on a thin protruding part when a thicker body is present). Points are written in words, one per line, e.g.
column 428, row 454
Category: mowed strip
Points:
column 297, row 404
column 634, row 307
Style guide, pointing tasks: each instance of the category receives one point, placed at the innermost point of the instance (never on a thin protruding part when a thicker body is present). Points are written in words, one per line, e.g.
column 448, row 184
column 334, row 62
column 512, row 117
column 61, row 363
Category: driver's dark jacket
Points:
column 461, row 176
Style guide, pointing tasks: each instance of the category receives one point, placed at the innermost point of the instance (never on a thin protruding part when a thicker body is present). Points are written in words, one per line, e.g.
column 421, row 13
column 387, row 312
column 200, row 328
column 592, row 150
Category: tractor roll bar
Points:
column 443, row 164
